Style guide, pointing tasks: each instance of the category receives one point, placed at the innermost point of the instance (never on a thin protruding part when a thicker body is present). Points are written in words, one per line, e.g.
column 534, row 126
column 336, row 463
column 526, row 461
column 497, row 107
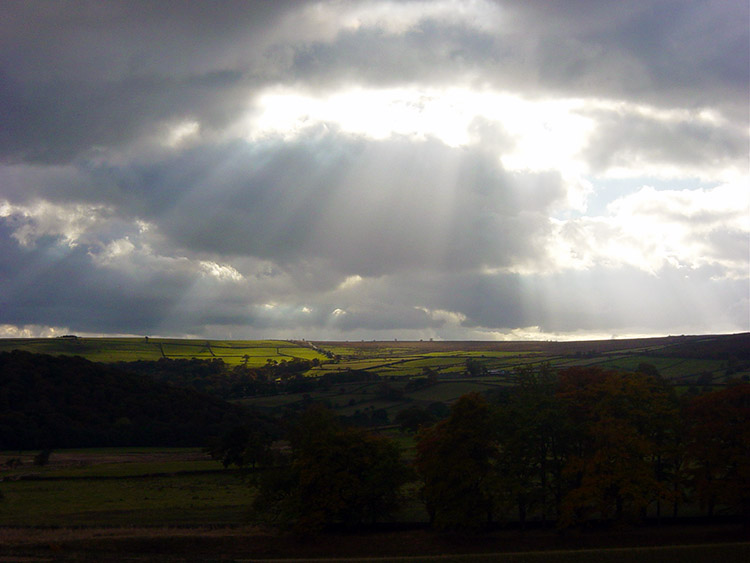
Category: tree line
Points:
column 67, row 401
column 228, row 382
column 581, row 445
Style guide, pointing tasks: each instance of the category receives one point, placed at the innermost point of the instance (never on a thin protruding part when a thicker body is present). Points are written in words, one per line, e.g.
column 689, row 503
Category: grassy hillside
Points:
column 109, row 350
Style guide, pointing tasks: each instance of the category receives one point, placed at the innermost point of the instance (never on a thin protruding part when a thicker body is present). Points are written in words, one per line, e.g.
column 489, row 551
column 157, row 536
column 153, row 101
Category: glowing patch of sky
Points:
column 541, row 134
column 534, row 134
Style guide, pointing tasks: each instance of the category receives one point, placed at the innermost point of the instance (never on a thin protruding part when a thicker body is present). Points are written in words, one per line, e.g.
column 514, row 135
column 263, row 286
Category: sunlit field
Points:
column 250, row 352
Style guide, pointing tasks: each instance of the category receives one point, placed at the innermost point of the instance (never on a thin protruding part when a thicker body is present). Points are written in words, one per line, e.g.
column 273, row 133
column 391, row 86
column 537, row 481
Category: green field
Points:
column 408, row 359
column 122, row 486
column 253, row 352
column 148, row 502
column 397, row 359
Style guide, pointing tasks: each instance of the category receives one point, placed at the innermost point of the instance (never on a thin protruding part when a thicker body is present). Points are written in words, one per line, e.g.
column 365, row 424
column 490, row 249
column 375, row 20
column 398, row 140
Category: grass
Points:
column 447, row 391
column 116, row 486
column 132, row 349
column 398, row 359
column 217, row 498
column 133, row 469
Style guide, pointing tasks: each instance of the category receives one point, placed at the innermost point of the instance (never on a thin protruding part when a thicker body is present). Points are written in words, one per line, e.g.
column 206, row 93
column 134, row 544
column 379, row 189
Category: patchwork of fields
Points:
column 253, row 353
column 400, row 359
column 397, row 368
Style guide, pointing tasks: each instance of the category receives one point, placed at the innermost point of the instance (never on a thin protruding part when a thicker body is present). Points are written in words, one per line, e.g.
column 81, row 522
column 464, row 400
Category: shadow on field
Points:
column 683, row 544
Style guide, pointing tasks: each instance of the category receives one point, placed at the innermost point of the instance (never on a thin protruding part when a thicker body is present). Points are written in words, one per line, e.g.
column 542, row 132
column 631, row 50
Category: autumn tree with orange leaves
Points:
column 619, row 419
column 456, row 461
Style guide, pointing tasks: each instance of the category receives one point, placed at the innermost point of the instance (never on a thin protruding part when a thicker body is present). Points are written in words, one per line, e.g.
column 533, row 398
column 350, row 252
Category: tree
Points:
column 719, row 447
column 438, row 410
column 534, row 437
column 455, row 460
column 617, row 418
column 331, row 474
column 42, row 458
column 243, row 446
column 475, row 368
column 413, row 418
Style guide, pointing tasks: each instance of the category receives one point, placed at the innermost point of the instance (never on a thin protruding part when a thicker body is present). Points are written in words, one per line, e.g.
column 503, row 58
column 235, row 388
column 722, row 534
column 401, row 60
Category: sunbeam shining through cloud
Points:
column 374, row 169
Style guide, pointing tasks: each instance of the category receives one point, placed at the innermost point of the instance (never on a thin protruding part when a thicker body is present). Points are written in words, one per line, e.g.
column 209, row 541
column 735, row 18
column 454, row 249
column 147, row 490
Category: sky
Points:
column 346, row 170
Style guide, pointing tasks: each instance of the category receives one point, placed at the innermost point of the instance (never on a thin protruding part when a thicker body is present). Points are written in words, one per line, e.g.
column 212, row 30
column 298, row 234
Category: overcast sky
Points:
column 375, row 169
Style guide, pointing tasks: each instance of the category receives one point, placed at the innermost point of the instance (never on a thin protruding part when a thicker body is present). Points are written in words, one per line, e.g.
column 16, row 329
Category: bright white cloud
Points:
column 541, row 134
column 350, row 282
column 115, row 250
column 449, row 317
column 324, row 21
column 530, row 134
column 31, row 331
column 181, row 133
column 71, row 222
column 219, row 271
column 650, row 229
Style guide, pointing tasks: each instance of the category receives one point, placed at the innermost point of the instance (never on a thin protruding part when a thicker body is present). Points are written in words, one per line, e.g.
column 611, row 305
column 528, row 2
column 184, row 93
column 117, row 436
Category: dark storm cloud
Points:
column 59, row 119
column 383, row 317
column 76, row 76
column 52, row 284
column 692, row 53
column 56, row 285
column 434, row 52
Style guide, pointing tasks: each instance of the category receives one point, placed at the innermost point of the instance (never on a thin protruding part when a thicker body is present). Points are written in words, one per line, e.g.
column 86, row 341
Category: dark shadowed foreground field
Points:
column 683, row 544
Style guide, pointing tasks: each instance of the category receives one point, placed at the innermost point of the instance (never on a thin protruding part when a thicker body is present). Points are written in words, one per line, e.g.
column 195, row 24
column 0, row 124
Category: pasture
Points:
column 122, row 486
column 253, row 353
column 404, row 359
column 174, row 504
column 412, row 359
